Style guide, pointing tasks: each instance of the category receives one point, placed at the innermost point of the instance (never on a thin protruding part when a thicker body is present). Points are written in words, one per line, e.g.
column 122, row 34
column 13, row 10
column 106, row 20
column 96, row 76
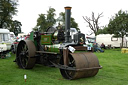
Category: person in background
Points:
column 96, row 48
column 103, row 46
column 109, row 46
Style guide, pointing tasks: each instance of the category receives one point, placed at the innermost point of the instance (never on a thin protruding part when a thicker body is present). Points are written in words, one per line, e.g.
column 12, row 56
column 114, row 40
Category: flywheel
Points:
column 25, row 54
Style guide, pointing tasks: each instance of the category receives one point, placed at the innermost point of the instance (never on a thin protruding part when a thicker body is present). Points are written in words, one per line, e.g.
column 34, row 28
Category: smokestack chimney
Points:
column 67, row 24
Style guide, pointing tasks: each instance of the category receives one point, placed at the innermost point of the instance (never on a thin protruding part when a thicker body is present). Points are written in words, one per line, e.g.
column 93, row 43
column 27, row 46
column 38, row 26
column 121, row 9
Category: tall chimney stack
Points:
column 67, row 24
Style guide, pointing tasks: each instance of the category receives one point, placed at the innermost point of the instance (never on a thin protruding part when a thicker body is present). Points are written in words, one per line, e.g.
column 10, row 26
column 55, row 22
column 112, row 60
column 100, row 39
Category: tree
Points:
column 74, row 24
column 45, row 20
column 93, row 22
column 7, row 10
column 51, row 17
column 41, row 23
column 16, row 27
column 61, row 19
column 118, row 24
column 103, row 31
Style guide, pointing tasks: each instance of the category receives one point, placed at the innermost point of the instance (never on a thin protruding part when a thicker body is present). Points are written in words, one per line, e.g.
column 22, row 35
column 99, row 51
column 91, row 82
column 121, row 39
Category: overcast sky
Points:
column 29, row 10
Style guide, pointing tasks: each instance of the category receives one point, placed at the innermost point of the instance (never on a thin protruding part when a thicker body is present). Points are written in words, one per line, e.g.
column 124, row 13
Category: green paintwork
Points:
column 46, row 39
column 53, row 48
column 31, row 36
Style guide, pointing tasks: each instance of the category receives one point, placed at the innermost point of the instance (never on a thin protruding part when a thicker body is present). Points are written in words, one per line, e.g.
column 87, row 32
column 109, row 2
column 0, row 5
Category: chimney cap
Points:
column 67, row 7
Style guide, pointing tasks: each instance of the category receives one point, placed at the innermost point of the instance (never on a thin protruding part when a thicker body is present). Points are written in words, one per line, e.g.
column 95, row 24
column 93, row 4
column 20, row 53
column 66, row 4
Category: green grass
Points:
column 114, row 72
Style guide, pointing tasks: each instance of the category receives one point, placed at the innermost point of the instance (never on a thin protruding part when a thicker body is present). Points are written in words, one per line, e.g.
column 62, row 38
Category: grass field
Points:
column 114, row 72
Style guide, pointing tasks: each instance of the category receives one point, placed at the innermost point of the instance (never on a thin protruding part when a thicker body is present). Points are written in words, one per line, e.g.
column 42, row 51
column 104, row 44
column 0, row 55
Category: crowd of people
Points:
column 98, row 48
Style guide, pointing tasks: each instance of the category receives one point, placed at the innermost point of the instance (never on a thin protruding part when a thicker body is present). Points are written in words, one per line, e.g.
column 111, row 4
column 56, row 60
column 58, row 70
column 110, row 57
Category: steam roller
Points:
column 56, row 47
column 86, row 65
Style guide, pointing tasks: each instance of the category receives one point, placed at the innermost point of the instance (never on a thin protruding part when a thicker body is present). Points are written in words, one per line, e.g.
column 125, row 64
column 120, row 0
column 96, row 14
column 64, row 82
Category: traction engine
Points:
column 56, row 48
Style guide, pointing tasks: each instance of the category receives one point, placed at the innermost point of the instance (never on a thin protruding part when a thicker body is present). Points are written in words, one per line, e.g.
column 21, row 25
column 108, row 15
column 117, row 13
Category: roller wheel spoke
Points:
column 26, row 50
column 24, row 55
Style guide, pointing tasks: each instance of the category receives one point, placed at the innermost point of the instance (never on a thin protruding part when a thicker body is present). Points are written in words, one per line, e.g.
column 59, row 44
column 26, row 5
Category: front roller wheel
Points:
column 25, row 54
column 86, row 65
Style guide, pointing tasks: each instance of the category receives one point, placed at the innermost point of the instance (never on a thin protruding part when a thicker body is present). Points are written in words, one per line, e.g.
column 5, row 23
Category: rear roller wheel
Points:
column 80, row 61
column 25, row 54
column 68, row 74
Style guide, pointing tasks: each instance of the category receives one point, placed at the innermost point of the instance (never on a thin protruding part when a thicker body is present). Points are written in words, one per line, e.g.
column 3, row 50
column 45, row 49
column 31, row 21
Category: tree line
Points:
column 8, row 8
column 118, row 24
column 48, row 20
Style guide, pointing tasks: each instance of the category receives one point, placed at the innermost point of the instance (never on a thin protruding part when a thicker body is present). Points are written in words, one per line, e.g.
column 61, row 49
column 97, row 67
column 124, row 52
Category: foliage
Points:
column 41, row 22
column 93, row 22
column 103, row 31
column 61, row 19
column 51, row 17
column 16, row 27
column 45, row 20
column 118, row 25
column 114, row 72
column 74, row 24
column 8, row 8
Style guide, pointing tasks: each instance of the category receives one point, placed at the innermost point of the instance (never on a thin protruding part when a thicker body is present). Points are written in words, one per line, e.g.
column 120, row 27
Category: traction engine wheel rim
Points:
column 25, row 54
column 80, row 61
column 68, row 74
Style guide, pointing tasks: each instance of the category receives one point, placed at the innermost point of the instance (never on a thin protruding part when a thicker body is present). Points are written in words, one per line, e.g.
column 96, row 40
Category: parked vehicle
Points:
column 110, row 40
column 12, row 36
column 5, row 42
column 21, row 35
column 90, row 40
column 15, row 43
